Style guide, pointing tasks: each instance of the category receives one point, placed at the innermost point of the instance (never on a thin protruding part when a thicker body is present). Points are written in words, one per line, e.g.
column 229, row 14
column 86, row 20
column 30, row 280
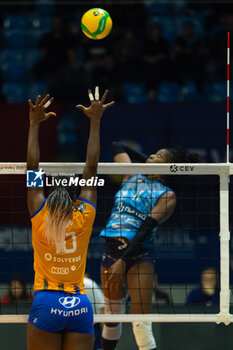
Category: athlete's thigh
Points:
column 40, row 340
column 78, row 341
column 113, row 294
column 140, row 285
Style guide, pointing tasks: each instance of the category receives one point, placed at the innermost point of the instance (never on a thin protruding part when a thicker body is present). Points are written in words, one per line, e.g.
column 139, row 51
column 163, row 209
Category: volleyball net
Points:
column 195, row 238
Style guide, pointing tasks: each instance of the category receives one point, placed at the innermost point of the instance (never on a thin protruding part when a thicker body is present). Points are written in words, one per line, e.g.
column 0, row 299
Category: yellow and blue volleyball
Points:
column 96, row 23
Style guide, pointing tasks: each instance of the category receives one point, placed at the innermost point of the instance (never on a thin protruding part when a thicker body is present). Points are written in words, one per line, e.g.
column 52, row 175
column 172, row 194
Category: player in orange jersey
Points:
column 61, row 317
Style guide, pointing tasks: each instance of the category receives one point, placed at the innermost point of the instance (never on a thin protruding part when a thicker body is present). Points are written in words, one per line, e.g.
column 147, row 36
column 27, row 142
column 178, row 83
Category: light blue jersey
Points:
column 133, row 203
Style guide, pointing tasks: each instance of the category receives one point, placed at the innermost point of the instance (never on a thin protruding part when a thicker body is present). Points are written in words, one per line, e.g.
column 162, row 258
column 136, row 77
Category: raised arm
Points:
column 94, row 113
column 37, row 114
column 119, row 153
column 125, row 154
column 160, row 213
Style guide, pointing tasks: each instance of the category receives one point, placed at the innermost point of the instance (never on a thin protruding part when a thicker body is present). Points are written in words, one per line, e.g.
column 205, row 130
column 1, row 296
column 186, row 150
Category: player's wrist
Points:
column 95, row 121
column 34, row 123
column 117, row 148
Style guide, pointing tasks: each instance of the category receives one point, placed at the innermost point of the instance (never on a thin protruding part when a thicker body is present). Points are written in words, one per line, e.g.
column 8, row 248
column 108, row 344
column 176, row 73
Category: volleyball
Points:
column 96, row 23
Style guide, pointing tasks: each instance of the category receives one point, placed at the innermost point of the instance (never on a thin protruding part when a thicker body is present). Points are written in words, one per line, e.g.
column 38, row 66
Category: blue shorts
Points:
column 55, row 311
column 114, row 248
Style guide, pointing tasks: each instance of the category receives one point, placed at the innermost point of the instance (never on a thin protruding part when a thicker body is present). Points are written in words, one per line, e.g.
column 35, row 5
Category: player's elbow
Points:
column 171, row 203
column 168, row 207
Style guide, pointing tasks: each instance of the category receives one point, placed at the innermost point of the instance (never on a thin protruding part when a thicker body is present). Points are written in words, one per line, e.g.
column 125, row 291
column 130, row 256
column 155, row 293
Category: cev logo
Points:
column 174, row 168
column 69, row 302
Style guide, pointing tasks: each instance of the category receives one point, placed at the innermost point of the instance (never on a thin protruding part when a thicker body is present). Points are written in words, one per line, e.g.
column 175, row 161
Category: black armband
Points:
column 117, row 148
column 144, row 230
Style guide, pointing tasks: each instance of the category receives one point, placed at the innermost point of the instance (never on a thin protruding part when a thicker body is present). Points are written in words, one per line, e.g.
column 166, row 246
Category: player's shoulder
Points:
column 135, row 179
column 160, row 186
column 40, row 212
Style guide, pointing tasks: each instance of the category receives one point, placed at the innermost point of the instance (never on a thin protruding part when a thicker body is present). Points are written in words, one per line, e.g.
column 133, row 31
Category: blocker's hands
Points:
column 97, row 106
column 116, row 275
column 37, row 112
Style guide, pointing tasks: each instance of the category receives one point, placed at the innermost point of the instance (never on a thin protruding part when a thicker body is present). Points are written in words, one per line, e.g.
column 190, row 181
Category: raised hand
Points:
column 97, row 106
column 37, row 112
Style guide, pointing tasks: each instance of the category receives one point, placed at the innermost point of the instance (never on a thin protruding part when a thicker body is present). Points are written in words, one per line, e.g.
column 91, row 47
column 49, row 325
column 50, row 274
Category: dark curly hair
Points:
column 182, row 155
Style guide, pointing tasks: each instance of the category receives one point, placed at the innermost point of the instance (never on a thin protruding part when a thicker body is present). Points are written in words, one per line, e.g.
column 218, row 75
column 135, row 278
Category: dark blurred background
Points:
column 164, row 61
column 164, row 64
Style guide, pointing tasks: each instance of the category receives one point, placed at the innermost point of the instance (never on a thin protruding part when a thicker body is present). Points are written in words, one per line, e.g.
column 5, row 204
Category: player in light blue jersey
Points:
column 133, row 204
column 141, row 204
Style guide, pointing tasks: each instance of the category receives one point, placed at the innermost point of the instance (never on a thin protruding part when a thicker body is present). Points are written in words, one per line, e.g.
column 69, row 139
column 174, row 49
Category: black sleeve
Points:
column 144, row 230
column 117, row 148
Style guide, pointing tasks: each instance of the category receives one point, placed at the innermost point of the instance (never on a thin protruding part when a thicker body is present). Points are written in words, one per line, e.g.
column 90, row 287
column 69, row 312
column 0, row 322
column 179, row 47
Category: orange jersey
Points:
column 62, row 271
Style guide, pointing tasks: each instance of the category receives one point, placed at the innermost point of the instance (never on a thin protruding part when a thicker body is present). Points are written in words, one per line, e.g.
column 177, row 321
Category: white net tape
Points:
column 122, row 168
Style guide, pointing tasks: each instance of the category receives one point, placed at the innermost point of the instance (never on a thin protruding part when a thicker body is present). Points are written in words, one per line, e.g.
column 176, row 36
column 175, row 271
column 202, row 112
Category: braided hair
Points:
column 60, row 208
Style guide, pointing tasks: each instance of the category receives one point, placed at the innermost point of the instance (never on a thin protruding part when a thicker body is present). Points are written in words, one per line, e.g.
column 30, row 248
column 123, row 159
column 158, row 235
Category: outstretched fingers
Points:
column 107, row 105
column 30, row 103
column 50, row 114
column 48, row 103
column 90, row 95
column 38, row 100
column 97, row 105
column 103, row 98
column 97, row 93
column 83, row 108
column 45, row 99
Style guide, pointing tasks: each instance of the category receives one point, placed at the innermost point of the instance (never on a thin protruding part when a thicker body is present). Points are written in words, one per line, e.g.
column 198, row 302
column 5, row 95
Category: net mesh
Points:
column 183, row 247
